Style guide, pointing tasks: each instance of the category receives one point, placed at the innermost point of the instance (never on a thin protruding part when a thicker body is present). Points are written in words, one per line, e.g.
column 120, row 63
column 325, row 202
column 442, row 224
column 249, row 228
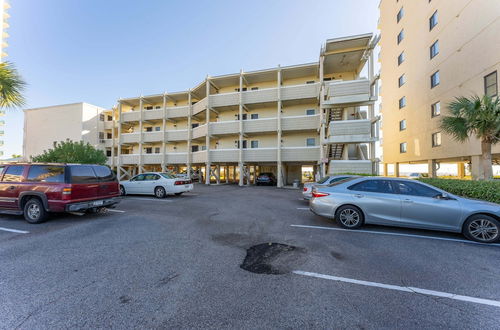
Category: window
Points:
column 244, row 89
column 148, row 150
column 436, row 139
column 195, row 148
column 101, row 135
column 416, row 189
column 400, row 15
column 244, row 117
column 311, row 142
column 157, row 150
column 139, row 177
column 434, row 50
column 254, row 88
column 151, row 177
column 401, row 80
column 402, row 125
column 82, row 174
column 433, row 20
column 237, row 144
column 401, row 58
column 104, row 173
column 401, row 36
column 43, row 173
column 436, row 109
column 13, row 174
column 375, row 186
column 254, row 144
column 310, row 82
column 254, row 116
column 402, row 102
column 310, row 112
column 108, row 152
column 327, row 79
column 157, row 128
column 149, row 108
column 195, row 125
column 202, row 148
column 110, row 118
column 157, row 107
column 101, row 117
column 491, row 85
column 435, row 79
column 109, row 135
column 149, row 129
column 402, row 147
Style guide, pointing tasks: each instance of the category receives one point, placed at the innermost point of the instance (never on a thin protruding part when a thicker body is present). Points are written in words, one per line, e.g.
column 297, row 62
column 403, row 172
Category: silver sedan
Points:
column 405, row 203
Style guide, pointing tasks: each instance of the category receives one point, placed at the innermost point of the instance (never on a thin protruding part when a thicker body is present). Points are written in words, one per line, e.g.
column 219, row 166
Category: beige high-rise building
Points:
column 295, row 121
column 431, row 52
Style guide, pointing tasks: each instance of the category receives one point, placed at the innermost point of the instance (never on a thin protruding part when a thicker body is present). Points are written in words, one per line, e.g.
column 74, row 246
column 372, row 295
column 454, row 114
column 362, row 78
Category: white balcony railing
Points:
column 129, row 159
column 130, row 137
column 152, row 136
column 260, row 125
column 153, row 114
column 300, row 154
column 303, row 91
column 260, row 96
column 177, row 135
column 226, row 99
column 300, row 123
column 351, row 166
column 200, row 106
column 224, row 155
column 178, row 112
column 351, row 131
column 200, row 131
column 260, row 155
column 131, row 116
column 199, row 156
column 349, row 91
column 225, row 127
column 152, row 158
column 177, row 158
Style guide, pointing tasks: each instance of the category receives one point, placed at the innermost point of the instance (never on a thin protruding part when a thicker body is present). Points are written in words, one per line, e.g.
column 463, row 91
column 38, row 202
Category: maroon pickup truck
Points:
column 35, row 189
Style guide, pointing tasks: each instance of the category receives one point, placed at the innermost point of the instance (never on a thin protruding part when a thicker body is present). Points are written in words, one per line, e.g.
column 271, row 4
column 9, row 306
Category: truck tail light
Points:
column 317, row 194
column 66, row 191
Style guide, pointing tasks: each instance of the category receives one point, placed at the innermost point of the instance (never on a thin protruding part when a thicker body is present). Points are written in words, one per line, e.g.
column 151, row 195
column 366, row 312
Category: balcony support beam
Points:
column 322, row 120
column 207, row 138
column 164, row 129
column 279, row 163
column 240, row 126
column 119, row 151
column 141, row 110
column 190, row 135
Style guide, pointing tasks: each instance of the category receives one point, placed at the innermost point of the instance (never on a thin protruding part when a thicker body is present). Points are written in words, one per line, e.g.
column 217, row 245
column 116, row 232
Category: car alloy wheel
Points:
column 34, row 211
column 349, row 217
column 122, row 191
column 160, row 192
column 483, row 230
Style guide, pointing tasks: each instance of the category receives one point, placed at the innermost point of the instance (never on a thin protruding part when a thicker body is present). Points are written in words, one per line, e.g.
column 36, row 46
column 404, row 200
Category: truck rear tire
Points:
column 34, row 212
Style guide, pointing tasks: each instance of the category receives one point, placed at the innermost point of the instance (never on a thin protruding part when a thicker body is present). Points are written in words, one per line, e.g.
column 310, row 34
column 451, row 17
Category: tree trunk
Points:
column 487, row 164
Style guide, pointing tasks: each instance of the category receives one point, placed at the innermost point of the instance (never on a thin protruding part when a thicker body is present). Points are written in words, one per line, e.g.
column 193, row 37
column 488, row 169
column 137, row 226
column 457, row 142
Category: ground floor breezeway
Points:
column 233, row 173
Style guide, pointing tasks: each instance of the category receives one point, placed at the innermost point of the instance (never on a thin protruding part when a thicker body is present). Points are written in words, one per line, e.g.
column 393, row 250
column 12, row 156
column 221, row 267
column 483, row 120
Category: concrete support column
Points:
column 323, row 124
column 461, row 170
column 207, row 140
column 217, row 173
column 386, row 169
column 141, row 105
column 431, row 165
column 279, row 137
column 477, row 169
column 119, row 151
column 226, row 173
column 164, row 130
column 240, row 137
column 396, row 170
column 190, row 134
column 234, row 173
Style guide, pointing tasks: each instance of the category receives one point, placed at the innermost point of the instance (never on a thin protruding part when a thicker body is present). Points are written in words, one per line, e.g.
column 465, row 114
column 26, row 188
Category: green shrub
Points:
column 485, row 190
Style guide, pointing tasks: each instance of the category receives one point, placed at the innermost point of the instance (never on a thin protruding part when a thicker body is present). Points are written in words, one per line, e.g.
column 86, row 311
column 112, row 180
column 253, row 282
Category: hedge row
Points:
column 485, row 190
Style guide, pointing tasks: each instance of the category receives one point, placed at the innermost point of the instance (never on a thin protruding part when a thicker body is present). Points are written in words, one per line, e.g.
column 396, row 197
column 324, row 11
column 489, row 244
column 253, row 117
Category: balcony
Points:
column 177, row 135
column 298, row 123
column 351, row 166
column 153, row 114
column 300, row 154
column 350, row 91
column 130, row 138
column 200, row 131
column 108, row 125
column 260, row 155
column 225, row 127
column 200, row 106
column 304, row 91
column 199, row 157
column 351, row 131
column 131, row 116
column 177, row 158
column 260, row 125
column 108, row 143
column 152, row 158
column 178, row 112
column 153, row 137
column 223, row 100
column 131, row 159
column 260, row 96
column 224, row 155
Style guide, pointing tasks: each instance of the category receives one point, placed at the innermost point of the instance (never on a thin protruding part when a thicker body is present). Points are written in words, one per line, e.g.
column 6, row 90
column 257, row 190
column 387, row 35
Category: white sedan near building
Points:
column 155, row 183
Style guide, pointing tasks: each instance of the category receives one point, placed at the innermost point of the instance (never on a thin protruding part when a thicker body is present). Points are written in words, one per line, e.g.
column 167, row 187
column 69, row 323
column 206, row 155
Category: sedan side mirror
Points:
column 444, row 196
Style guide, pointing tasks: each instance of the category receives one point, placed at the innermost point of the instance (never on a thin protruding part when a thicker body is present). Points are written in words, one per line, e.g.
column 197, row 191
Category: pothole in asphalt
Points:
column 273, row 258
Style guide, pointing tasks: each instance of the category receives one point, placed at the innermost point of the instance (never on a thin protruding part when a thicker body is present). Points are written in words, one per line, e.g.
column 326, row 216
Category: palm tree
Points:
column 11, row 86
column 479, row 116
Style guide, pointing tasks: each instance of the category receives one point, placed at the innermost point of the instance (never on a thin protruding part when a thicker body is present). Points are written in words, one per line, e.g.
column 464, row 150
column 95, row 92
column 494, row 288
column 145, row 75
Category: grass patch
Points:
column 485, row 190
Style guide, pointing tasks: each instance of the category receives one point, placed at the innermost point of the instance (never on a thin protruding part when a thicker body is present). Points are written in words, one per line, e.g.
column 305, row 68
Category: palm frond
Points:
column 11, row 86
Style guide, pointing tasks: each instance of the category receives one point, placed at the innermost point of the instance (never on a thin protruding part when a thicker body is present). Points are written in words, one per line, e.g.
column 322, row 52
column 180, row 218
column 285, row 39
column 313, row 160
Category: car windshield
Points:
column 342, row 181
column 167, row 176
column 323, row 180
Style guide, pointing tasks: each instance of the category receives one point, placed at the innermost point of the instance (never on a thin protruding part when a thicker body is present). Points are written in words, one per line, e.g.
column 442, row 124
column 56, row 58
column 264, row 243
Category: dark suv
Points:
column 266, row 179
column 36, row 189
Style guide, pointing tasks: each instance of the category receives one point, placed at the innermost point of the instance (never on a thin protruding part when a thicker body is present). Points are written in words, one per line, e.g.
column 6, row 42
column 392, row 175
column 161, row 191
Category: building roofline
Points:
column 63, row 105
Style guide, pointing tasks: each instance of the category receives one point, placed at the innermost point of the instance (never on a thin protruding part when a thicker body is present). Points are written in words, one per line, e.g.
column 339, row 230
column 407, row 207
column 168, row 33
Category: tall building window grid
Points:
column 435, row 80
column 434, row 49
column 491, row 84
column 435, row 109
column 433, row 20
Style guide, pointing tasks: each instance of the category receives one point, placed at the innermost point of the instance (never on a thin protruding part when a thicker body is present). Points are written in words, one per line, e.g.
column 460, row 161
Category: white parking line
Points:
column 302, row 208
column 117, row 211
column 15, row 230
column 149, row 199
column 402, row 288
column 395, row 234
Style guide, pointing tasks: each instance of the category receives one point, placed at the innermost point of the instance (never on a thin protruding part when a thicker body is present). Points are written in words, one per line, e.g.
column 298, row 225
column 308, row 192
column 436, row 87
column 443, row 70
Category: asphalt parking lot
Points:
column 175, row 263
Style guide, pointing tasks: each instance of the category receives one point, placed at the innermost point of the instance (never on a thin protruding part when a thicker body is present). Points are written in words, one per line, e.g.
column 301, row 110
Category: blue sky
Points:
column 98, row 51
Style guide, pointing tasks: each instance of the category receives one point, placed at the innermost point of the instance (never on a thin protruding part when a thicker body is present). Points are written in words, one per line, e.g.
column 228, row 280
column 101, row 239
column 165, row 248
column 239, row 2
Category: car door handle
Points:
column 358, row 195
column 12, row 187
column 406, row 200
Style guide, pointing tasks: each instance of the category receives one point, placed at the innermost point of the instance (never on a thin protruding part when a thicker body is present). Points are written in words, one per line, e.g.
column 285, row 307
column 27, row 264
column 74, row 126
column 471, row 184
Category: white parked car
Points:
column 415, row 176
column 155, row 183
